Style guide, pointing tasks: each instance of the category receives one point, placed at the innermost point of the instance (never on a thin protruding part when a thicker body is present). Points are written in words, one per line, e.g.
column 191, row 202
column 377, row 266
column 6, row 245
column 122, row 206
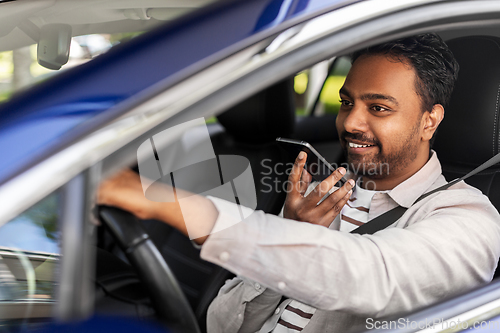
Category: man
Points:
column 392, row 103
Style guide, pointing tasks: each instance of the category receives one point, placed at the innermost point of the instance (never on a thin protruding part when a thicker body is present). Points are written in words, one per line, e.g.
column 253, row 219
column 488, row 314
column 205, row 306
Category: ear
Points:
column 431, row 121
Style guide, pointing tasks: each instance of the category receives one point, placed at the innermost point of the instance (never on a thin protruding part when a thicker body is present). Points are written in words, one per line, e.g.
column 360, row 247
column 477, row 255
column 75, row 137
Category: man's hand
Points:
column 124, row 190
column 305, row 208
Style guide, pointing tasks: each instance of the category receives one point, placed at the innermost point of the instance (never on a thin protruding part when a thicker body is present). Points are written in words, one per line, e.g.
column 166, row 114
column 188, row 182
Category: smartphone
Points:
column 317, row 166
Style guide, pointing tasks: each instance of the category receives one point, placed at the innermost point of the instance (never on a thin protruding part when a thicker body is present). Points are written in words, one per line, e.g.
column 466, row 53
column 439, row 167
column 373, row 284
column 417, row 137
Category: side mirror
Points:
column 53, row 46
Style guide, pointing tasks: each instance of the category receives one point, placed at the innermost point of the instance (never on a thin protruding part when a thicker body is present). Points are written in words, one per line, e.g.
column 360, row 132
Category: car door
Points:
column 215, row 88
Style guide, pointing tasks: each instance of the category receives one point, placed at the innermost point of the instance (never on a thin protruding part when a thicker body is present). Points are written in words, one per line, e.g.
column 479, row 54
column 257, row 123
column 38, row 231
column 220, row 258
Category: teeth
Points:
column 355, row 145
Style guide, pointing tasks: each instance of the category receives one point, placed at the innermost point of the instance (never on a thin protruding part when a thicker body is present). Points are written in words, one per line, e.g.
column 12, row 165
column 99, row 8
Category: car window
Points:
column 32, row 28
column 29, row 261
column 318, row 87
column 329, row 102
column 19, row 68
column 300, row 82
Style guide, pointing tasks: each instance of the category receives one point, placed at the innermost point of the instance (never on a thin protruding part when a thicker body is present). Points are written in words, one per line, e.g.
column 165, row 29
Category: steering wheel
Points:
column 167, row 297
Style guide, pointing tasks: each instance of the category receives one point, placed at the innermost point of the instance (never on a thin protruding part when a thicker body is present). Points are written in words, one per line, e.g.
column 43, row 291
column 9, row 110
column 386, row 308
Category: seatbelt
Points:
column 388, row 218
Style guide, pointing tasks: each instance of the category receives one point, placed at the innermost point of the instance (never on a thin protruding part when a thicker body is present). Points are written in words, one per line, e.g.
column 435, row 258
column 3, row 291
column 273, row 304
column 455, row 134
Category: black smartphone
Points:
column 317, row 166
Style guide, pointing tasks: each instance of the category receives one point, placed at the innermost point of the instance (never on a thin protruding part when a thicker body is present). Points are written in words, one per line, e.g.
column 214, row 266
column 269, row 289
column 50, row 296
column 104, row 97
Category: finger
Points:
column 332, row 197
column 296, row 173
column 335, row 210
column 325, row 186
column 305, row 180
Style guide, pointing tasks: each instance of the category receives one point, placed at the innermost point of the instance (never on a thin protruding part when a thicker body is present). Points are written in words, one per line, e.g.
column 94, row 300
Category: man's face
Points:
column 380, row 119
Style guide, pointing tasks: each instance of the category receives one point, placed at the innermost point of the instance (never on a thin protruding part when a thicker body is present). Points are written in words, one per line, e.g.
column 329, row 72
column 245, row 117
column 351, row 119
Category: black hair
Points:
column 435, row 66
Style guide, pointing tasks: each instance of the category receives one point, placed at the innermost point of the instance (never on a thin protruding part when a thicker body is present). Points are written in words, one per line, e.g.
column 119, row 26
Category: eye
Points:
column 379, row 108
column 345, row 102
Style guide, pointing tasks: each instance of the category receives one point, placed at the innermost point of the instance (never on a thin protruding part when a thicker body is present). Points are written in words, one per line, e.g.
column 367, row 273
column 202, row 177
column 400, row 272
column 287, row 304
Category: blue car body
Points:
column 54, row 114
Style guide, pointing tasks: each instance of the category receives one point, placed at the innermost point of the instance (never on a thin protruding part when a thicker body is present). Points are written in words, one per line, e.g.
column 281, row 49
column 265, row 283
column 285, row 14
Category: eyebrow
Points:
column 365, row 97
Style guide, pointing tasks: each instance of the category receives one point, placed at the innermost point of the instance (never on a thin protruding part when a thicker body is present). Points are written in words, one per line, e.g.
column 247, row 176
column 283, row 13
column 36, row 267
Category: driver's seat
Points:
column 470, row 133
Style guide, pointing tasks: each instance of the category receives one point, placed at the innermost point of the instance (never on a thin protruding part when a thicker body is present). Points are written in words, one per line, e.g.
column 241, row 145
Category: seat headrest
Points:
column 264, row 116
column 469, row 134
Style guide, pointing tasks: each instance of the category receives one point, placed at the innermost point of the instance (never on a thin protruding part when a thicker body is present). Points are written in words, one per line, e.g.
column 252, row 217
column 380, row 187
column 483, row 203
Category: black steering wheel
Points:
column 166, row 296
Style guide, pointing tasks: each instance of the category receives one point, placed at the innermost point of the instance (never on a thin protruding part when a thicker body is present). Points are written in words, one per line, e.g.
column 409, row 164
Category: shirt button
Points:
column 277, row 311
column 240, row 316
column 257, row 286
column 282, row 285
column 224, row 256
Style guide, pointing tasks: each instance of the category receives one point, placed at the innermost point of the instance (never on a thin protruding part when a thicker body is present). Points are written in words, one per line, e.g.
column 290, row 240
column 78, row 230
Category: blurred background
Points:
column 19, row 69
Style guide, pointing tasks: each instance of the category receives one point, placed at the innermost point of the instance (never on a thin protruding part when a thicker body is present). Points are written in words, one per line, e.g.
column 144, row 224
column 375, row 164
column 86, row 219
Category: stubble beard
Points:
column 381, row 165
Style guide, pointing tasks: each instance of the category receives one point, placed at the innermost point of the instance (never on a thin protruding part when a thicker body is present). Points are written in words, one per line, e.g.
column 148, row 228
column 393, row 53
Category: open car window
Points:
column 31, row 264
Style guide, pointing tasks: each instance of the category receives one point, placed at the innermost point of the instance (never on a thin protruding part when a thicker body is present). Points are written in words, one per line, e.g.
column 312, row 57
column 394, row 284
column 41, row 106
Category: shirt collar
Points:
column 406, row 193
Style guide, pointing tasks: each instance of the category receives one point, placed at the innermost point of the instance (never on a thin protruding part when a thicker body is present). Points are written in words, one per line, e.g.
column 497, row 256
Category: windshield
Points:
column 41, row 38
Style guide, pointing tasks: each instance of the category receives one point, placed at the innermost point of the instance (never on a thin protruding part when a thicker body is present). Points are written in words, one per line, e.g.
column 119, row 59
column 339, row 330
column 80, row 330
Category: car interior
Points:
column 144, row 268
column 249, row 129
column 468, row 137
column 131, row 277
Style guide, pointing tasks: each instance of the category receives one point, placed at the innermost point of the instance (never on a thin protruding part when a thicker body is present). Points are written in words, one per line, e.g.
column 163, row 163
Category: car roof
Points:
column 50, row 116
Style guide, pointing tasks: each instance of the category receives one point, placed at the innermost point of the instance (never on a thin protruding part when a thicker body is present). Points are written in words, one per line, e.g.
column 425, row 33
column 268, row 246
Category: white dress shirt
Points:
column 445, row 244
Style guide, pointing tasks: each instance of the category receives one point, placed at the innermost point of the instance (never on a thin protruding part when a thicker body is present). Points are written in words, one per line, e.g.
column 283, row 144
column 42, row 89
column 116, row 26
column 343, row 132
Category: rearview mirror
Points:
column 53, row 46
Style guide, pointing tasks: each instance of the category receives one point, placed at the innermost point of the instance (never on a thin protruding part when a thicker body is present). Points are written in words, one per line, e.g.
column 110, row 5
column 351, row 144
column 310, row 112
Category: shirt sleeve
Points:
column 241, row 306
column 453, row 247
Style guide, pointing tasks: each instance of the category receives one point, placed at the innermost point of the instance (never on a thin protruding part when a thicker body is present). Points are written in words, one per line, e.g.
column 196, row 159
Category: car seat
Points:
column 251, row 128
column 470, row 134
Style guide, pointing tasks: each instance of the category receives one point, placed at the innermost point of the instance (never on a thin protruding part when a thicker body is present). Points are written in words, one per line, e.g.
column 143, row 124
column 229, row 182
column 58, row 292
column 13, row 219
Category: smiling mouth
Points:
column 355, row 145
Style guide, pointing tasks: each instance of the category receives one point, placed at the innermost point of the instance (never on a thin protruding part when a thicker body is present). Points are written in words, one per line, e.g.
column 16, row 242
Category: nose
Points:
column 355, row 120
